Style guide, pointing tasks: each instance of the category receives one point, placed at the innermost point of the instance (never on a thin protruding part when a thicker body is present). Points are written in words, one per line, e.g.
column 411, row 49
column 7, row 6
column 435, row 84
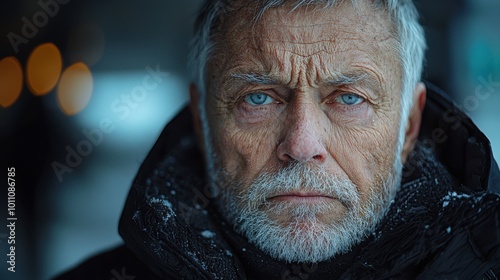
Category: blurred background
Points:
column 87, row 86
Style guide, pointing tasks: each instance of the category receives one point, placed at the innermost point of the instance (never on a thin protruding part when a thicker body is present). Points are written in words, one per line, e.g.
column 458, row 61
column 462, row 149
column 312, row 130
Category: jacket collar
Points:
column 458, row 143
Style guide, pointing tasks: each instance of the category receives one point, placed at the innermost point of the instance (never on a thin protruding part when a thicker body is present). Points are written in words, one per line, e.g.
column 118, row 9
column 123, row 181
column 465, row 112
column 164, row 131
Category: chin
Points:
column 304, row 239
column 277, row 214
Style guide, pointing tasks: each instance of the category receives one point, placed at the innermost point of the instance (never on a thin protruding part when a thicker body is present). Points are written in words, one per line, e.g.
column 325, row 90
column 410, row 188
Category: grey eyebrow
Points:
column 338, row 79
column 347, row 79
column 254, row 78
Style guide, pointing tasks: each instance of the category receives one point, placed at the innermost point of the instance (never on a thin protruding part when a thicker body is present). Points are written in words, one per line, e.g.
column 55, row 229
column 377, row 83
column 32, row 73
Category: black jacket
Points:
column 443, row 224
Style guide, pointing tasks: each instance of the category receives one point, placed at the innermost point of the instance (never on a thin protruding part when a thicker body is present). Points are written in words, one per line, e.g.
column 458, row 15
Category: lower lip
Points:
column 301, row 199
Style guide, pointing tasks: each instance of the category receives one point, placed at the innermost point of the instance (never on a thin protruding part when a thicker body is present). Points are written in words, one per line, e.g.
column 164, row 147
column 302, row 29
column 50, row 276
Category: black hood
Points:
column 169, row 222
column 458, row 144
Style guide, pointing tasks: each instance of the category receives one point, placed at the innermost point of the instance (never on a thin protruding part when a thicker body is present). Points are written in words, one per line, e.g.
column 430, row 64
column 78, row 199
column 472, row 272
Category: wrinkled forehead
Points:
column 335, row 37
column 344, row 19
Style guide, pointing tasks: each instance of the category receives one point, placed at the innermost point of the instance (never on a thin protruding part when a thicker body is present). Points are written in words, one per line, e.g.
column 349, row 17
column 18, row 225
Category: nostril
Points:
column 319, row 158
column 286, row 157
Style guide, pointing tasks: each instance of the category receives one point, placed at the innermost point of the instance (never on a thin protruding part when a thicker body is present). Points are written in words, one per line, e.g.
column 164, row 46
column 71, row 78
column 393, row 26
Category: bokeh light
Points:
column 43, row 68
column 75, row 88
column 11, row 80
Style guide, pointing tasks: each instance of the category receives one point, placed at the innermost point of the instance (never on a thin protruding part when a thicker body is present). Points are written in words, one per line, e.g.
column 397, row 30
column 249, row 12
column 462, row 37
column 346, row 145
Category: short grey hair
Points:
column 410, row 38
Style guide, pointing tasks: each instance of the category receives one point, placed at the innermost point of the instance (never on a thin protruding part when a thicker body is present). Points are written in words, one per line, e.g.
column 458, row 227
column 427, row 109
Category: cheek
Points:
column 366, row 154
column 243, row 152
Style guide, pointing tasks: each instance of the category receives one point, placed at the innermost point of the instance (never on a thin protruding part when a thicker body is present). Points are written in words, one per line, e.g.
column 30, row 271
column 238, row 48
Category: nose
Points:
column 303, row 139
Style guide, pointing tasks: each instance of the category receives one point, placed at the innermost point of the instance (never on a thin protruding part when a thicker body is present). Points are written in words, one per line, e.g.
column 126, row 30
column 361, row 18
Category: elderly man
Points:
column 318, row 157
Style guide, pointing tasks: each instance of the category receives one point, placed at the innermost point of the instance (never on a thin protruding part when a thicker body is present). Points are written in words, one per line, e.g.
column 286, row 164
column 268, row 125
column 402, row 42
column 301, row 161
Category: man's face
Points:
column 304, row 114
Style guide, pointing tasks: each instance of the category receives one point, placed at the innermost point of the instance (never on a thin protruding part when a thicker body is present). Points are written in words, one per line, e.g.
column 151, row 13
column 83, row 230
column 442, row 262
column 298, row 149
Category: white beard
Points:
column 305, row 238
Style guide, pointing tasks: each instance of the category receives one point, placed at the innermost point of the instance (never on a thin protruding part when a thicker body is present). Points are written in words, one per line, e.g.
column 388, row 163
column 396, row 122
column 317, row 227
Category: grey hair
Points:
column 409, row 34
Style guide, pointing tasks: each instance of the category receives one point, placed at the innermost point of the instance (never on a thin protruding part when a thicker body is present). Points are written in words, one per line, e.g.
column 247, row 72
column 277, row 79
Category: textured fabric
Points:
column 426, row 214
column 438, row 227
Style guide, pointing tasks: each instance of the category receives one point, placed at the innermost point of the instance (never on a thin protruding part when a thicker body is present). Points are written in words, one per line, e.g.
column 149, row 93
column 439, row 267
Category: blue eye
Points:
column 350, row 99
column 256, row 99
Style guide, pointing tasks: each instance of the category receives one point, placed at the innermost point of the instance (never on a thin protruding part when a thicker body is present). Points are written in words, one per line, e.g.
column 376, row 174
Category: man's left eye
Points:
column 349, row 99
column 257, row 99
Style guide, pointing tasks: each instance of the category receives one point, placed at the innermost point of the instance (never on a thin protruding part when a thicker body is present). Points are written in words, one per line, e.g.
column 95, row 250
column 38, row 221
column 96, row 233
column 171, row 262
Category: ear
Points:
column 414, row 121
column 195, row 112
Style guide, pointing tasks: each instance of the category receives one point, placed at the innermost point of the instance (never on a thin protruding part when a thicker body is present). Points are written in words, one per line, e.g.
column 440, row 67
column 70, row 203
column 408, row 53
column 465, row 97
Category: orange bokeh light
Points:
column 43, row 68
column 11, row 80
column 75, row 88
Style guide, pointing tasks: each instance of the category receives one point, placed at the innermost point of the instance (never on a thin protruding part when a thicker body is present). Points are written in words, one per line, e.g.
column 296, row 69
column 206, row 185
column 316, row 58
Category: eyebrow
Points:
column 337, row 79
column 347, row 79
column 254, row 78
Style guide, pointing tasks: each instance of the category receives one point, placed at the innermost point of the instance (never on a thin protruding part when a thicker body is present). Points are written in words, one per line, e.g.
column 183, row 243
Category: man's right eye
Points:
column 259, row 98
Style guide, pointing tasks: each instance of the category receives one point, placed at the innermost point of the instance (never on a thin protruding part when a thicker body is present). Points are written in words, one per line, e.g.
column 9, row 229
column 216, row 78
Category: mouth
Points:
column 301, row 197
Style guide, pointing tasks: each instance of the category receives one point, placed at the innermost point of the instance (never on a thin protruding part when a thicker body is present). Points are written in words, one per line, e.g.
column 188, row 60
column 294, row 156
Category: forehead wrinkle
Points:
column 264, row 40
column 268, row 45
column 297, row 34
column 331, row 44
column 312, row 27
column 297, row 44
column 268, row 33
column 318, row 72
column 280, row 19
